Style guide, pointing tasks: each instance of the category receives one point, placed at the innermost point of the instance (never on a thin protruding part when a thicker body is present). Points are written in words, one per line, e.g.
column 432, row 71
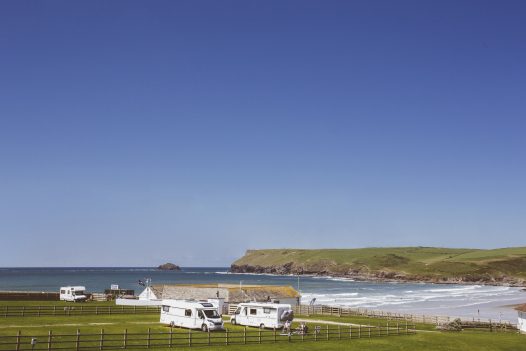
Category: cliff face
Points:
column 436, row 265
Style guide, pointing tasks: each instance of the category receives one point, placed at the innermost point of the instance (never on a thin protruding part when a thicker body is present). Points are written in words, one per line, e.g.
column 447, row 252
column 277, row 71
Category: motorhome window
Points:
column 188, row 313
column 200, row 314
column 211, row 313
column 238, row 311
column 62, row 291
column 253, row 311
column 166, row 308
column 266, row 310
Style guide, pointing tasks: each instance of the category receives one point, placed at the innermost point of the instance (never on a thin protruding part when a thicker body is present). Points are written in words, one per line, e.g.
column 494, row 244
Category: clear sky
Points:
column 140, row 132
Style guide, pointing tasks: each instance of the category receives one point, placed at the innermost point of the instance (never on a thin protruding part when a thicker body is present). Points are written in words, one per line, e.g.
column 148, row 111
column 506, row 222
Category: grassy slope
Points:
column 423, row 340
column 425, row 261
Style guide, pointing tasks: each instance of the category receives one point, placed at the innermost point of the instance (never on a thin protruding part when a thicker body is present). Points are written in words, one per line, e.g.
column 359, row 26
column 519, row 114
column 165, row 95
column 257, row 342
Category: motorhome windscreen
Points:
column 211, row 313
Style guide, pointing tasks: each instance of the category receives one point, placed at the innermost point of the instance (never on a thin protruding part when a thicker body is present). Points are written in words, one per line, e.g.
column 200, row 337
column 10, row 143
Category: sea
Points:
column 468, row 301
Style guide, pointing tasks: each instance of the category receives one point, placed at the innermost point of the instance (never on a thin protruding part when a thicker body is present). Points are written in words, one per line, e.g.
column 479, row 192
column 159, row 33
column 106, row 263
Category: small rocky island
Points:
column 169, row 267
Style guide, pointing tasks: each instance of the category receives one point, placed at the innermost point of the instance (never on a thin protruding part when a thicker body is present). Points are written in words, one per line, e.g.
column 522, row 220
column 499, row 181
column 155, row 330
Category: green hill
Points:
column 497, row 266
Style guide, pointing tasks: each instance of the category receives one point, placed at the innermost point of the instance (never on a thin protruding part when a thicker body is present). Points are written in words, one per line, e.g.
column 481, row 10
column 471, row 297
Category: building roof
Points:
column 521, row 308
column 231, row 292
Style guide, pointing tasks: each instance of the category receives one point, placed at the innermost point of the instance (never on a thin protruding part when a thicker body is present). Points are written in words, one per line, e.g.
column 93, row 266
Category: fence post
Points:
column 274, row 334
column 148, row 340
column 259, row 335
column 245, row 335
column 208, row 337
column 379, row 329
column 316, row 331
column 397, row 328
column 369, row 327
column 77, row 340
column 39, row 310
column 360, row 331
column 101, row 344
column 350, row 332
column 54, row 310
column 125, row 338
column 190, row 337
column 226, row 336
column 6, row 311
column 387, row 328
column 23, row 310
column 18, row 340
column 96, row 309
column 406, row 331
column 49, row 337
column 134, row 309
column 171, row 335
column 327, row 331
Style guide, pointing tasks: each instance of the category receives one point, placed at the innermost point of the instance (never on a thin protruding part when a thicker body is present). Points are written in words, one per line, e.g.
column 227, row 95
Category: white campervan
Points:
column 191, row 314
column 263, row 315
column 72, row 293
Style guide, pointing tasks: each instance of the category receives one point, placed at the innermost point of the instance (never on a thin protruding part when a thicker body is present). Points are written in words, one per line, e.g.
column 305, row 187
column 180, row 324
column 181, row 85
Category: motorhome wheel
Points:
column 204, row 328
column 233, row 321
column 262, row 326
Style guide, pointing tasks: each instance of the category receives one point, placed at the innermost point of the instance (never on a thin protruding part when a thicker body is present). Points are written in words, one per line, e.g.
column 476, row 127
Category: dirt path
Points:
column 320, row 321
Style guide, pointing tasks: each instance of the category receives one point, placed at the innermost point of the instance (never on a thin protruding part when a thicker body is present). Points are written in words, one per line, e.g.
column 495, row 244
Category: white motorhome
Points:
column 72, row 293
column 263, row 315
column 191, row 314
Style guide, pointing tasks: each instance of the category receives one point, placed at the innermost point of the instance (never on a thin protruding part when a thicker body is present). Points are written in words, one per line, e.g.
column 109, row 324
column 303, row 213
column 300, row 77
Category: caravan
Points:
column 72, row 293
column 263, row 315
column 191, row 314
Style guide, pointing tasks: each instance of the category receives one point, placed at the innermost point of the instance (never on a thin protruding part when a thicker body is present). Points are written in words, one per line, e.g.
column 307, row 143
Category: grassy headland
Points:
column 430, row 264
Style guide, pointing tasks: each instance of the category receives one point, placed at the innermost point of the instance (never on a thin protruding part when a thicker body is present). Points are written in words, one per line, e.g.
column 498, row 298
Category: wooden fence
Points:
column 413, row 318
column 37, row 311
column 28, row 296
column 176, row 339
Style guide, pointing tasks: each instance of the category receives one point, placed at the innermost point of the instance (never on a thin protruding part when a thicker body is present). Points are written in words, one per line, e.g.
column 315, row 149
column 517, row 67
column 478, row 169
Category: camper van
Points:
column 72, row 293
column 263, row 315
column 191, row 314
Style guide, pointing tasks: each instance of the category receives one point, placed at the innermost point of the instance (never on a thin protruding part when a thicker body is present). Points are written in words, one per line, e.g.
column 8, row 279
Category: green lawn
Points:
column 426, row 337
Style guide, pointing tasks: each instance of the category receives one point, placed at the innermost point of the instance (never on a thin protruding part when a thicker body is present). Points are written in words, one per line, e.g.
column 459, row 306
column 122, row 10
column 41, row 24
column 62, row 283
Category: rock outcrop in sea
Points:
column 169, row 267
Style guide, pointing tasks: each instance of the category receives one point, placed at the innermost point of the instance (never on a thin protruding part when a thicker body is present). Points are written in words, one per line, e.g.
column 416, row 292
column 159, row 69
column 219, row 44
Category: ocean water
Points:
column 417, row 298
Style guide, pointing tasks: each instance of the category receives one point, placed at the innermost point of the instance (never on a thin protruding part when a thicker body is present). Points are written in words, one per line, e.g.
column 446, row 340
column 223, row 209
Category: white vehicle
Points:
column 72, row 293
column 263, row 315
column 191, row 314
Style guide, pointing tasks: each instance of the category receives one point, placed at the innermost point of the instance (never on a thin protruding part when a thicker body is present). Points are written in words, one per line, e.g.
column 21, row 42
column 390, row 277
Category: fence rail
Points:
column 178, row 338
column 37, row 311
column 413, row 318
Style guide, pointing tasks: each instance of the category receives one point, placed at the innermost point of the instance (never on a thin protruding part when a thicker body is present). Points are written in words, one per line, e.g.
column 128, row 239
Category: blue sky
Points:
column 134, row 133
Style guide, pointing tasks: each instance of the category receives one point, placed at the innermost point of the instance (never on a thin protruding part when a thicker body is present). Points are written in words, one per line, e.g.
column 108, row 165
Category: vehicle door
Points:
column 243, row 316
column 189, row 317
column 253, row 316
column 200, row 319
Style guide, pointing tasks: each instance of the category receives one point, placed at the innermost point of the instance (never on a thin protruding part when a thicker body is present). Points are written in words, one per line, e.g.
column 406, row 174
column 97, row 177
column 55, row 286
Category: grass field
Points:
column 426, row 338
column 410, row 262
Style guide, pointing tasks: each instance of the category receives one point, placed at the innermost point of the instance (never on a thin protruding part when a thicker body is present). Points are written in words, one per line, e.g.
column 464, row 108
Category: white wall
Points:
column 521, row 324
column 135, row 302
